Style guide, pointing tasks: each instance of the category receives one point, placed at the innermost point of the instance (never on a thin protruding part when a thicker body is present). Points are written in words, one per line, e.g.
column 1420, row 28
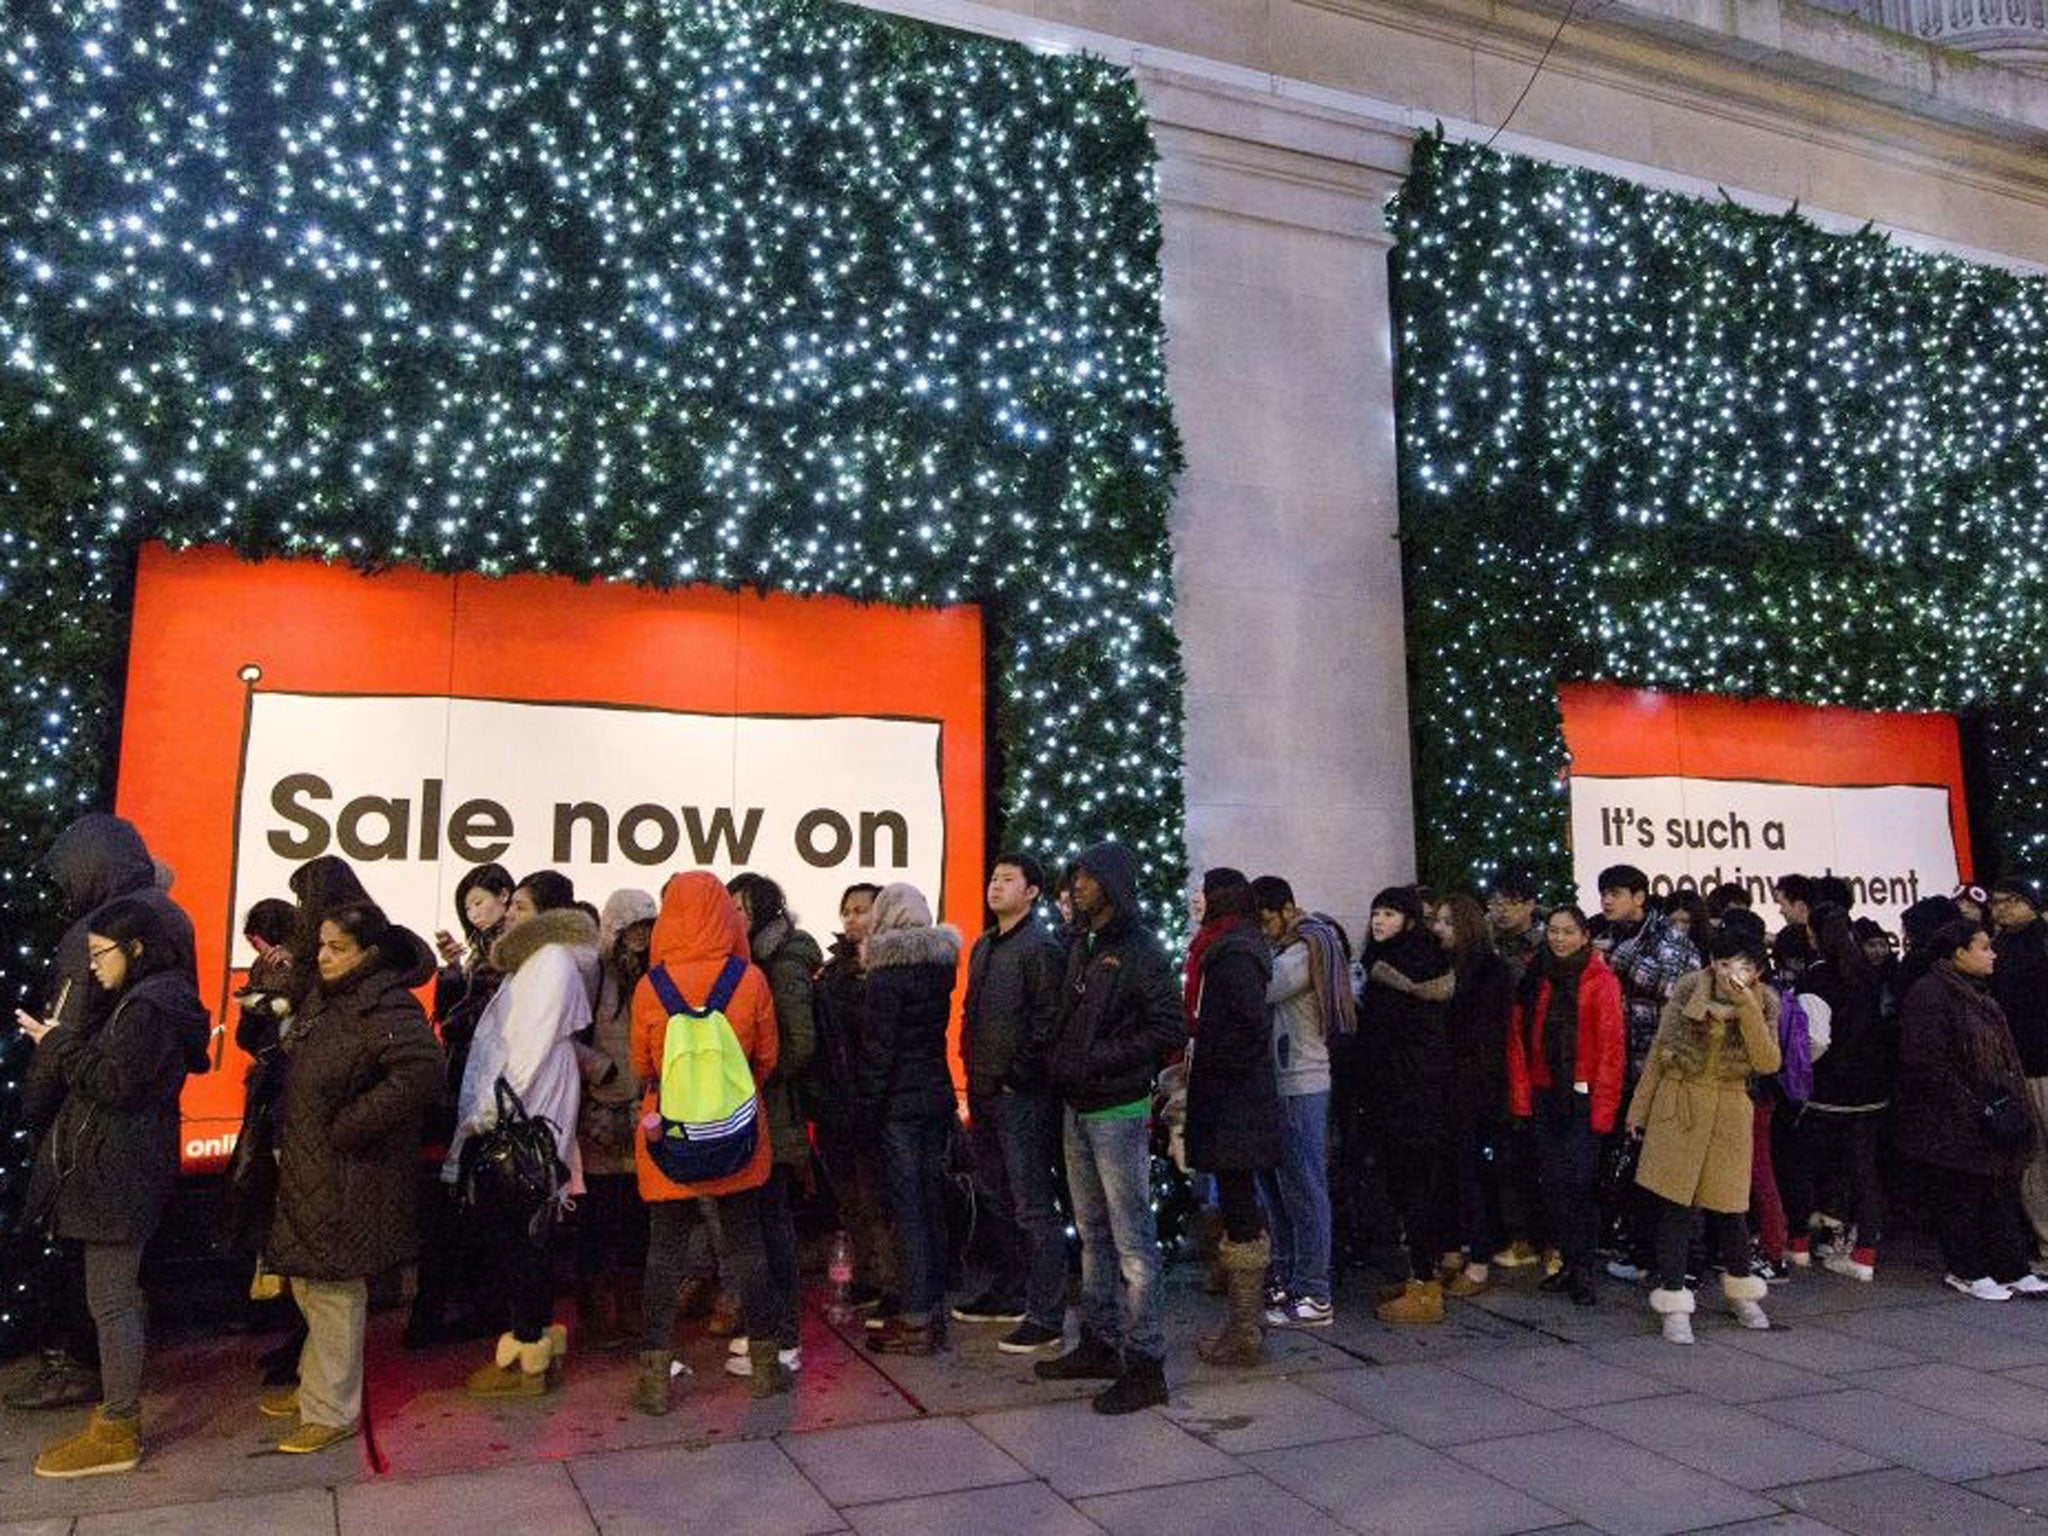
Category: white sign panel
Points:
column 1892, row 842
column 414, row 791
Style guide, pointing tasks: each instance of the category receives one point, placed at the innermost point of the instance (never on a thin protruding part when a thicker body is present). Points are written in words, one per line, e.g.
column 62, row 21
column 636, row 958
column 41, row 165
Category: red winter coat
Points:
column 1602, row 1046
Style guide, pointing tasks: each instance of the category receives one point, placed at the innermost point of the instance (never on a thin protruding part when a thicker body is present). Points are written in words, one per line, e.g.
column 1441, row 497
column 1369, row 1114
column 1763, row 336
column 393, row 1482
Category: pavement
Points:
column 1878, row 1409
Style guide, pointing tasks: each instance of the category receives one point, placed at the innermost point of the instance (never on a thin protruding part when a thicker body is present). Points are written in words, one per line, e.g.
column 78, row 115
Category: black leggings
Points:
column 1237, row 1198
column 1421, row 1182
column 1727, row 1234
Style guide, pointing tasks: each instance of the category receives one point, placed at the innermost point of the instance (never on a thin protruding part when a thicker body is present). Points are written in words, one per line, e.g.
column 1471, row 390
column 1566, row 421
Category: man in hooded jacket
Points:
column 1120, row 1022
column 95, row 860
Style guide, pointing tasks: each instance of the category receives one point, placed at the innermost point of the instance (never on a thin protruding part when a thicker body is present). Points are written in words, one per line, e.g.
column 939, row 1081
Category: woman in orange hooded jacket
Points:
column 699, row 929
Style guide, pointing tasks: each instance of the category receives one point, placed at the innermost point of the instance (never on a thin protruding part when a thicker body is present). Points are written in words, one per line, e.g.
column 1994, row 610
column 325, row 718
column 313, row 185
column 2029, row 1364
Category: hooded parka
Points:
column 699, row 929
column 361, row 1067
column 791, row 960
column 1120, row 1012
column 911, row 967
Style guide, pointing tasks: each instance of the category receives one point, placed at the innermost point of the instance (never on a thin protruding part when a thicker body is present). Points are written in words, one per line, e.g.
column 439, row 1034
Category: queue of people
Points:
column 642, row 1095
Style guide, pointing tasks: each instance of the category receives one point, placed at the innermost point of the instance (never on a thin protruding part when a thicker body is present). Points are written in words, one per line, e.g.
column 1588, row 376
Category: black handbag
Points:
column 512, row 1173
column 2008, row 1122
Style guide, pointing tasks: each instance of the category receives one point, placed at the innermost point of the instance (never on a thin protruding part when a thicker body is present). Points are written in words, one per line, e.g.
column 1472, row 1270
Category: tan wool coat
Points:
column 1693, row 1100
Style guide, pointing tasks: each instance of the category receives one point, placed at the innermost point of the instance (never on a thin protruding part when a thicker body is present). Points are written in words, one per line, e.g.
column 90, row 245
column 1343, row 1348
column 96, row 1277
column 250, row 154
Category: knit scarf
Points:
column 1561, row 1019
column 1329, row 969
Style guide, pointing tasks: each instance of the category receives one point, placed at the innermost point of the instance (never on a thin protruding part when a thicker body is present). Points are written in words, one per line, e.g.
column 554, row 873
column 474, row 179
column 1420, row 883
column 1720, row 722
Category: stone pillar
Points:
column 1286, row 566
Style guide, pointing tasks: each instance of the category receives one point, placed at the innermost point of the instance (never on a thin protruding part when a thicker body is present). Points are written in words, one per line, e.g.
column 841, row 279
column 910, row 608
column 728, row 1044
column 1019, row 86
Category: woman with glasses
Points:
column 104, row 1173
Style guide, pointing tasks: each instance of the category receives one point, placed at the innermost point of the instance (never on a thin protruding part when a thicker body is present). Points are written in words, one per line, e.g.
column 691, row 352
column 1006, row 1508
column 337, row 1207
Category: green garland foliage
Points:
column 767, row 293
column 1658, row 441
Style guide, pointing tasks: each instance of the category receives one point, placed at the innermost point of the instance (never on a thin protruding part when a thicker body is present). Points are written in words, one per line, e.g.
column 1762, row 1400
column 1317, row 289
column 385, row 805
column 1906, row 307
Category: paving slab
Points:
column 1609, row 1483
column 1948, row 1331
column 1559, row 1376
column 2022, row 1490
column 749, row 1488
column 1979, row 1396
column 1729, row 1443
column 1770, row 1525
column 56, row 1525
column 1710, row 1368
column 1433, row 1403
column 1239, row 1416
column 534, row 1497
column 1250, row 1503
column 299, row 1512
column 1392, row 1486
column 1816, row 1348
column 1081, row 1452
column 1900, row 1502
column 1905, row 1433
column 871, row 1462
column 1015, row 1509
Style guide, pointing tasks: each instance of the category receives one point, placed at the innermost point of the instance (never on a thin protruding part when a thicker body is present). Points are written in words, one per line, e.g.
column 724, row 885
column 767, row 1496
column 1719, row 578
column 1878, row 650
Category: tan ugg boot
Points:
column 106, row 1444
column 1744, row 1292
column 520, row 1370
column 769, row 1375
column 1421, row 1301
column 650, row 1385
column 1241, row 1341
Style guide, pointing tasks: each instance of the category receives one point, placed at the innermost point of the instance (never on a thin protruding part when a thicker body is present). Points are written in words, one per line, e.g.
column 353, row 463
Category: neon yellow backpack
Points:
column 710, row 1113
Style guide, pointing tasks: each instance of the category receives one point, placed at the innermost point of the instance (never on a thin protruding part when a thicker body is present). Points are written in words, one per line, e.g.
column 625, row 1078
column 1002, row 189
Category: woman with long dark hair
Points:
column 1404, row 1051
column 1489, row 1210
column 103, row 1173
column 1567, row 1044
column 1233, row 1116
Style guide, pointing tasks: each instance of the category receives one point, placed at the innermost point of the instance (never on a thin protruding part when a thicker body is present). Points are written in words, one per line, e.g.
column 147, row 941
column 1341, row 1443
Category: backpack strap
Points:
column 730, row 975
column 665, row 989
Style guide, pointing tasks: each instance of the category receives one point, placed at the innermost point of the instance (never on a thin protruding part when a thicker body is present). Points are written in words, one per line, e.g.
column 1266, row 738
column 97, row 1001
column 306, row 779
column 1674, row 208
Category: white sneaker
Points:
column 1750, row 1314
column 1847, row 1264
column 2028, row 1285
column 1300, row 1312
column 740, row 1365
column 1983, row 1288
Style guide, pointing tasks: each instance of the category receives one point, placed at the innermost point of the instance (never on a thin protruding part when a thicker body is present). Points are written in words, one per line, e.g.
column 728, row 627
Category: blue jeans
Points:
column 1109, row 1179
column 1015, row 1143
column 915, row 1151
column 1297, row 1196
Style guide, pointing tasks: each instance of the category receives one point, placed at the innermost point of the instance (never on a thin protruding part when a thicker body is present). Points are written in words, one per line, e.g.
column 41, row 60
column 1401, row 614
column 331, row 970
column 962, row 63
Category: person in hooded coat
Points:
column 1233, row 1115
column 698, row 931
column 361, row 1068
column 97, row 859
column 548, row 957
column 103, row 1173
column 1405, row 1054
column 1120, row 1022
column 791, row 960
column 610, row 1221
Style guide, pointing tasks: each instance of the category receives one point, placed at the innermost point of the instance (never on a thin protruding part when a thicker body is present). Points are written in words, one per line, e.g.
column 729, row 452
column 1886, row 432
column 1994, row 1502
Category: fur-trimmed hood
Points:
column 564, row 925
column 938, row 945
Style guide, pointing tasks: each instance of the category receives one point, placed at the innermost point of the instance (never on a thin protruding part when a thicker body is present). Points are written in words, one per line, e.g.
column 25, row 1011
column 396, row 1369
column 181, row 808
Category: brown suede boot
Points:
column 1422, row 1301
column 650, row 1385
column 769, row 1375
column 1242, row 1339
column 106, row 1444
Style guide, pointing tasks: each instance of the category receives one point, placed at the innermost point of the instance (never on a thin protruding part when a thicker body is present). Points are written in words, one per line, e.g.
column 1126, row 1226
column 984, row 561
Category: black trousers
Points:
column 1727, row 1240
column 1843, row 1148
column 1237, row 1199
column 1420, row 1181
column 1979, row 1221
column 525, row 1253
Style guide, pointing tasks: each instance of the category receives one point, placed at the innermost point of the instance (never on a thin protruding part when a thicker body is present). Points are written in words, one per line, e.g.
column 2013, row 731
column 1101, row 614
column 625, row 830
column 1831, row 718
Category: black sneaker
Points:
column 61, row 1383
column 1142, row 1385
column 989, row 1307
column 1028, row 1338
column 1089, row 1360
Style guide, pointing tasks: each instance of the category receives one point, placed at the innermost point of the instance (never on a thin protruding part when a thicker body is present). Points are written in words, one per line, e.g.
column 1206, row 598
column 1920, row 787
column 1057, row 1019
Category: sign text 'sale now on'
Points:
column 417, row 725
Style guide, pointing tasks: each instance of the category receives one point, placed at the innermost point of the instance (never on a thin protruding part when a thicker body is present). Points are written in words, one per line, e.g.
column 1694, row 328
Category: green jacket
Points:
column 791, row 959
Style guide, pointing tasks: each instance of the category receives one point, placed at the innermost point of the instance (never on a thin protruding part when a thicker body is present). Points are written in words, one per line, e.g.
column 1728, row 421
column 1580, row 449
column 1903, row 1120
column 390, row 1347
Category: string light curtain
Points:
column 1660, row 441
column 766, row 293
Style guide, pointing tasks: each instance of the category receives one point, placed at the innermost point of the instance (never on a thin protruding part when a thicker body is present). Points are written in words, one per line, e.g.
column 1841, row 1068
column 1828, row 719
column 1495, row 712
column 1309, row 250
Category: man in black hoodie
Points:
column 94, row 861
column 1120, row 1022
column 2020, row 983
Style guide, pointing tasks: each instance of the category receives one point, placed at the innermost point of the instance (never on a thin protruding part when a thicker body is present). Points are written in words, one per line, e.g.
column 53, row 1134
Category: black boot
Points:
column 1142, row 1385
column 61, row 1383
column 1090, row 1360
column 1584, row 1289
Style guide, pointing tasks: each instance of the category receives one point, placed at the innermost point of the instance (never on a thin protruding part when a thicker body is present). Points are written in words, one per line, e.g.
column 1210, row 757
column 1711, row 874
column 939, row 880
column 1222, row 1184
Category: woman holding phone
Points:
column 1693, row 1112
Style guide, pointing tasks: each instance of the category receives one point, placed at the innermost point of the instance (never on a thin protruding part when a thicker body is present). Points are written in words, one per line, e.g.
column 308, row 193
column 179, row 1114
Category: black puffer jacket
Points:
column 909, row 1004
column 1233, row 1097
column 1404, row 1041
column 107, row 1166
column 362, row 1067
column 2020, row 983
column 1855, row 1071
column 1120, row 1011
column 831, row 1088
column 1955, row 1055
column 1013, row 1003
